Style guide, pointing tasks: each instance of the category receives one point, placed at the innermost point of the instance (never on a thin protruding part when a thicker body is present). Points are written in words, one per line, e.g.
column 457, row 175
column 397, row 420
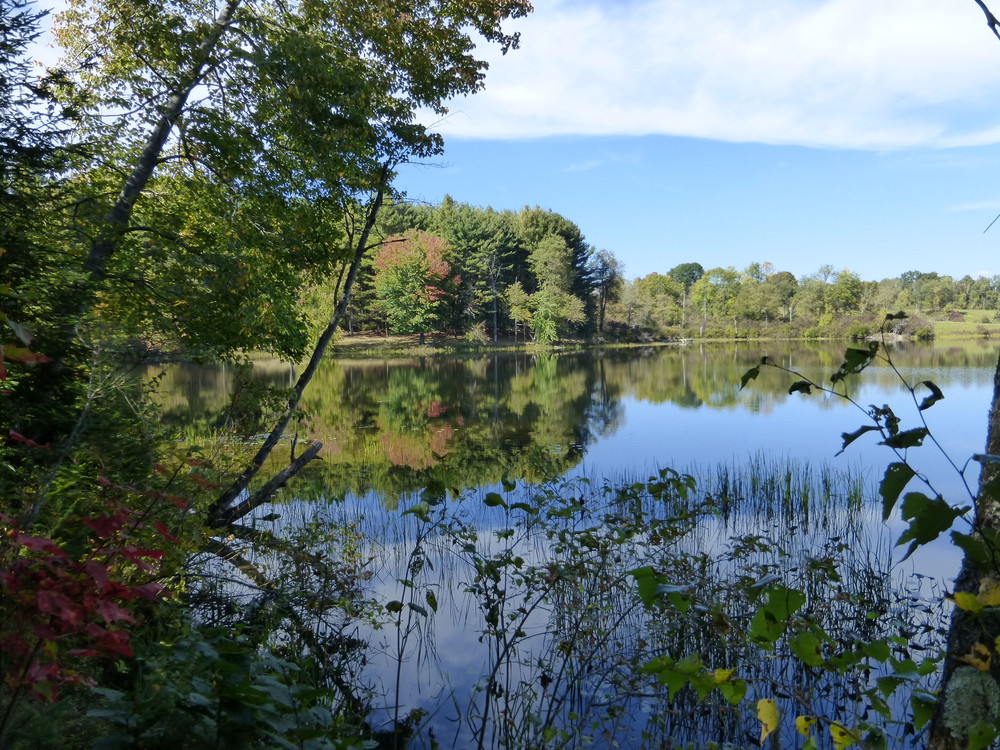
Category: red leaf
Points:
column 61, row 606
column 165, row 531
column 151, row 591
column 111, row 612
column 104, row 526
column 40, row 544
column 20, row 354
column 99, row 573
column 114, row 642
column 18, row 437
column 178, row 502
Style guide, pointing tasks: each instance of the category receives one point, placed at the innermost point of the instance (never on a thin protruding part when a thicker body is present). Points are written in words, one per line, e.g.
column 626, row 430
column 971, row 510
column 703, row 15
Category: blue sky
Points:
column 797, row 132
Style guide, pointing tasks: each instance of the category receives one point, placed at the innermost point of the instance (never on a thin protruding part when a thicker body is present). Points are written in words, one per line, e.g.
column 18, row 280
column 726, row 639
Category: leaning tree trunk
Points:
column 969, row 695
column 234, row 502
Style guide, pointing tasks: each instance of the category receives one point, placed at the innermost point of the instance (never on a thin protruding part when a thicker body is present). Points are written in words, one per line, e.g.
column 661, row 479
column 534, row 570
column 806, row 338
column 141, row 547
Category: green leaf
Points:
column 907, row 438
column 850, row 437
column 418, row 609
column 800, row 386
column 492, row 500
column 432, row 601
column 935, row 396
column 923, row 708
column 806, row 647
column 394, row 606
column 508, row 486
column 981, row 735
column 749, row 375
column 975, row 549
column 928, row 519
column 887, row 685
column 896, row 316
column 733, row 691
column 897, row 476
column 648, row 583
column 673, row 681
column 856, row 360
column 877, row 650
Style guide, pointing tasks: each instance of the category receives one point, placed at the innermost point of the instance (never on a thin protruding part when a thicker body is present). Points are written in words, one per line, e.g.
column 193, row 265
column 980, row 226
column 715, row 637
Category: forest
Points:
column 216, row 180
column 530, row 275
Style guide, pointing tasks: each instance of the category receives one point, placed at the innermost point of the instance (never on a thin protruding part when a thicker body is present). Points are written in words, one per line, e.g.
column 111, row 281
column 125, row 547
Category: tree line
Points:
column 531, row 275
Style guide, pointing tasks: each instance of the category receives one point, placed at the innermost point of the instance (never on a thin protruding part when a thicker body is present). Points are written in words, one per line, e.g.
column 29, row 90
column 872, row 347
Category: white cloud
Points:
column 838, row 73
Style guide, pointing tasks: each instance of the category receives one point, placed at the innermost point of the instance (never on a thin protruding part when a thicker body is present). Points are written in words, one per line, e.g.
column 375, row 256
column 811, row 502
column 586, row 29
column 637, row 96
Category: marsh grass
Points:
column 510, row 618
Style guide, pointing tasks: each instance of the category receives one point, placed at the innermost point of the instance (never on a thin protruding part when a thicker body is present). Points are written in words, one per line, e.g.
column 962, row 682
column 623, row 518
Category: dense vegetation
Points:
column 531, row 275
column 211, row 178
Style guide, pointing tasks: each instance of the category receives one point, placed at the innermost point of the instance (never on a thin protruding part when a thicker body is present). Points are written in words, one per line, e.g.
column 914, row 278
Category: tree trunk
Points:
column 223, row 511
column 968, row 695
column 117, row 219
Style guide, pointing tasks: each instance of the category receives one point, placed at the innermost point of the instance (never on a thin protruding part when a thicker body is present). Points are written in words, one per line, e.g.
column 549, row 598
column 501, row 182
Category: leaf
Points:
column 850, row 437
column 733, row 691
column 897, row 476
column 907, row 439
column 968, row 601
column 935, row 396
column 111, row 612
column 800, row 386
column 981, row 736
column 432, row 601
column 394, row 606
column 896, row 316
column 723, row 675
column 806, row 647
column 986, row 458
column 989, row 592
column 923, row 708
column 979, row 656
column 59, row 605
column 804, row 725
column 928, row 519
column 767, row 714
column 842, row 736
column 974, row 548
column 20, row 354
column 492, row 500
column 749, row 375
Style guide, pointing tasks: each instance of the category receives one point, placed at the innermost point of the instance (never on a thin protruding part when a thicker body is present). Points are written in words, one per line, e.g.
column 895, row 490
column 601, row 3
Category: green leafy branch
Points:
column 928, row 516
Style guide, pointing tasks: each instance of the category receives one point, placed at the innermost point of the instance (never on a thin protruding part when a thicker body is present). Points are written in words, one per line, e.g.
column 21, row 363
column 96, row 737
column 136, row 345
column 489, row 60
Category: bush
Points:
column 858, row 331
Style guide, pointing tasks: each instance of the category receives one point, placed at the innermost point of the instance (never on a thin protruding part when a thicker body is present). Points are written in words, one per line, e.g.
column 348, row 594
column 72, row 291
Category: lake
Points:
column 475, row 650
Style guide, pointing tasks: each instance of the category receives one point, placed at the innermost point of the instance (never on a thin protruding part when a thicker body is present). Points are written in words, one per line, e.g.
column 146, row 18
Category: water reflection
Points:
column 564, row 672
column 393, row 425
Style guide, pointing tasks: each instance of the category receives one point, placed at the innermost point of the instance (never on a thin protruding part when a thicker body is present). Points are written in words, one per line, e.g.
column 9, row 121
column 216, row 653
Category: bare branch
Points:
column 991, row 20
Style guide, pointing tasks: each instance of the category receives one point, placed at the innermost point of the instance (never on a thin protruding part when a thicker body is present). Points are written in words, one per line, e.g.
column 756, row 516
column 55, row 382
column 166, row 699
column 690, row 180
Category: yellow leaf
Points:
column 968, row 601
column 723, row 675
column 805, row 724
column 767, row 713
column 979, row 657
column 989, row 592
column 842, row 736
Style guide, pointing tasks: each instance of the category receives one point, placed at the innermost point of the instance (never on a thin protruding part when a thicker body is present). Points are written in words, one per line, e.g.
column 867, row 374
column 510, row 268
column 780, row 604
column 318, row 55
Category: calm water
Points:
column 389, row 425
column 392, row 427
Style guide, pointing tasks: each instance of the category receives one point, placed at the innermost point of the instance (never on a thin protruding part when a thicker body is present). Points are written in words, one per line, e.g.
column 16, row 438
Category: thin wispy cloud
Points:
column 989, row 205
column 834, row 73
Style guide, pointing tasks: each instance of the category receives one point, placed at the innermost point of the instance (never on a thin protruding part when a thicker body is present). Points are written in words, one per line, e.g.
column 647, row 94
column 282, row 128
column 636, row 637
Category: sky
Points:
column 864, row 135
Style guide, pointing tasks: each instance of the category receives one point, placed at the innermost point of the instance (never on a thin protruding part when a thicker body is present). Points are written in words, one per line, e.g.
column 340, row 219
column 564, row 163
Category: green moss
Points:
column 971, row 696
